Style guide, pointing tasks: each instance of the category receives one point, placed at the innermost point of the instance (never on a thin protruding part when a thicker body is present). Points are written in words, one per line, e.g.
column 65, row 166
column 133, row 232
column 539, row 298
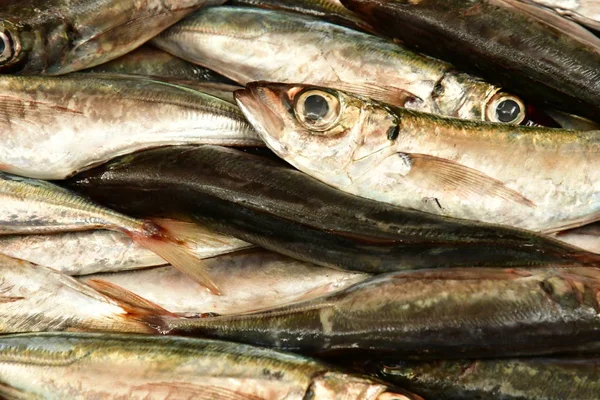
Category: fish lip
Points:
column 261, row 116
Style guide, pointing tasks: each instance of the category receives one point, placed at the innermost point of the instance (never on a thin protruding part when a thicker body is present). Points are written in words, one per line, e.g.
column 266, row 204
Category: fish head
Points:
column 462, row 96
column 320, row 131
column 13, row 46
column 338, row 385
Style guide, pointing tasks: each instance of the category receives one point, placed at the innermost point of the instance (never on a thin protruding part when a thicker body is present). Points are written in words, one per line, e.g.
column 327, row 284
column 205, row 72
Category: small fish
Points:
column 271, row 205
column 30, row 206
column 446, row 166
column 59, row 36
column 53, row 127
column 250, row 281
column 428, row 314
column 35, row 298
column 584, row 12
column 247, row 44
column 139, row 367
column 526, row 49
column 507, row 379
column 97, row 251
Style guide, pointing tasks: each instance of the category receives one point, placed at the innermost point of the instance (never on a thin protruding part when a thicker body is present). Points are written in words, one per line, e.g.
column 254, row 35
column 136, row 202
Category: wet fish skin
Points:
column 35, row 298
column 329, row 10
column 137, row 367
column 97, row 251
column 585, row 12
column 54, row 127
column 247, row 44
column 275, row 207
column 59, row 36
column 412, row 314
column 457, row 168
column 586, row 237
column 506, row 379
column 552, row 61
column 250, row 281
column 150, row 61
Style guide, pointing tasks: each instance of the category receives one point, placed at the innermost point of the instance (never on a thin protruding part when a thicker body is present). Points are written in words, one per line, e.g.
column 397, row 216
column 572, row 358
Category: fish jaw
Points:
column 334, row 385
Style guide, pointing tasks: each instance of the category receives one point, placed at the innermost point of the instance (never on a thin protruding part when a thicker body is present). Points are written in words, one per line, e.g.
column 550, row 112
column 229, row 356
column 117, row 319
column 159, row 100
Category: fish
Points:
column 329, row 10
column 152, row 62
column 584, row 12
column 250, row 280
column 31, row 206
column 88, row 365
column 585, row 237
column 446, row 166
column 552, row 61
column 246, row 44
column 55, row 37
column 102, row 251
column 271, row 205
column 54, row 127
column 427, row 314
column 539, row 378
column 35, row 298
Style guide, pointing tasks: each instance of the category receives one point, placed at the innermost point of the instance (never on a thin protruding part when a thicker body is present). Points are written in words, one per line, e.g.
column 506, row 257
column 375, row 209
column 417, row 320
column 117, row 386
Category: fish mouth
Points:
column 264, row 109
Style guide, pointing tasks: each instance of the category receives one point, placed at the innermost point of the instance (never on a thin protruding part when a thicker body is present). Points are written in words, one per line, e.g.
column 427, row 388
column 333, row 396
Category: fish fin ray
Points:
column 189, row 231
column 585, row 220
column 460, row 179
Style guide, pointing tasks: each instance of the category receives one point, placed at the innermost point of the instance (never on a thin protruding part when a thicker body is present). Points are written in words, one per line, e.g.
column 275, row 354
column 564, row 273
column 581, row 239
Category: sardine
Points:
column 585, row 12
column 53, row 127
column 271, row 205
column 429, row 314
column 329, row 10
column 96, row 251
column 506, row 379
column 30, row 206
column 247, row 44
column 250, row 281
column 60, row 36
column 535, row 178
column 35, row 298
column 526, row 49
column 86, row 366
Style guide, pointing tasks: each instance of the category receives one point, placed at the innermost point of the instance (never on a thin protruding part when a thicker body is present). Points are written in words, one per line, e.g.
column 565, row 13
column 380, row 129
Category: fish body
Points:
column 55, row 126
column 84, row 366
column 541, row 179
column 585, row 12
column 35, row 298
column 273, row 206
column 586, row 237
column 485, row 312
column 98, row 251
column 247, row 44
column 31, row 206
column 249, row 281
column 506, row 379
column 551, row 61
column 59, row 36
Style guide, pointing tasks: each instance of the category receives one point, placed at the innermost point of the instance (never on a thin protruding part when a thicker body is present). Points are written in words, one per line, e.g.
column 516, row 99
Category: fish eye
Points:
column 6, row 47
column 506, row 108
column 317, row 110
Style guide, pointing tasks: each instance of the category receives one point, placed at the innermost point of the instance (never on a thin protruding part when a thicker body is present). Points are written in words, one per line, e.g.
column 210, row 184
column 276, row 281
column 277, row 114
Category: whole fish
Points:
column 448, row 313
column 30, row 206
column 247, row 44
column 35, row 298
column 60, row 36
column 506, row 379
column 329, row 10
column 150, row 61
column 273, row 206
column 540, row 179
column 87, row 365
column 249, row 281
column 96, row 251
column 585, row 12
column 53, row 127
column 551, row 60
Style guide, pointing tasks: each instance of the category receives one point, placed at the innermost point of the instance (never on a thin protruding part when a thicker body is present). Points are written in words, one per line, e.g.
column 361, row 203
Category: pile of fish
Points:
column 300, row 199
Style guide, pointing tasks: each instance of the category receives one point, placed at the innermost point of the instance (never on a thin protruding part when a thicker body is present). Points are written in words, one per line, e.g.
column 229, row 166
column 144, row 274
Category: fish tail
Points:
column 173, row 241
column 138, row 308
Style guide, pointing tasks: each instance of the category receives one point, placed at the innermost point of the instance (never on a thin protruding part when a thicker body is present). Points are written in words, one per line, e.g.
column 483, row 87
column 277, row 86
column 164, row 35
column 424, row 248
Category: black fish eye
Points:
column 6, row 47
column 315, row 107
column 508, row 111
